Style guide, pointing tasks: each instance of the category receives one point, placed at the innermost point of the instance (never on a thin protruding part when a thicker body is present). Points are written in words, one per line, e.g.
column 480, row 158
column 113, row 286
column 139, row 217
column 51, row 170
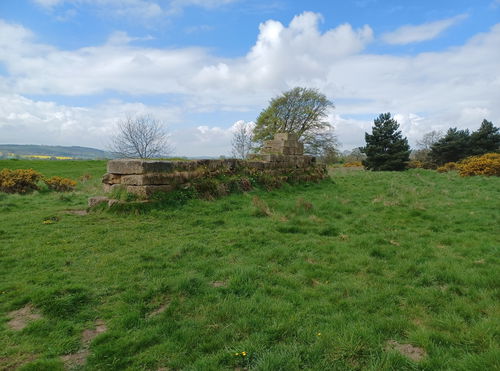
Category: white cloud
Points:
column 412, row 34
column 458, row 86
column 27, row 121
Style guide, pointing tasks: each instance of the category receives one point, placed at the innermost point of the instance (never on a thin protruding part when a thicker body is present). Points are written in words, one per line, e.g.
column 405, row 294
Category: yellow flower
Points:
column 244, row 353
column 318, row 334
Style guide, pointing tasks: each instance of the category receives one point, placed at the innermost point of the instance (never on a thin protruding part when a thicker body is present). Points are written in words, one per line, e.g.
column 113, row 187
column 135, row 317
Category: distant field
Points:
column 325, row 276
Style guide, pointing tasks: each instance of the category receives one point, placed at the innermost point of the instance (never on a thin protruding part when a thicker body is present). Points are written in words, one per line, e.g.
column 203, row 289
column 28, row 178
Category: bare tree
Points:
column 242, row 140
column 429, row 139
column 141, row 137
column 424, row 145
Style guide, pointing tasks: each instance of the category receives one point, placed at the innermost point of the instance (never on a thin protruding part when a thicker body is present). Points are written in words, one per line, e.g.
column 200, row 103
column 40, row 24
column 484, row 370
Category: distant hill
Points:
column 41, row 151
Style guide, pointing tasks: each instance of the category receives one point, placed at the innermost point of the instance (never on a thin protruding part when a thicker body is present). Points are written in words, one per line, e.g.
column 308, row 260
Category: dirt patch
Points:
column 219, row 284
column 414, row 353
column 76, row 359
column 79, row 358
column 343, row 237
column 89, row 335
column 161, row 309
column 77, row 212
column 20, row 318
column 16, row 362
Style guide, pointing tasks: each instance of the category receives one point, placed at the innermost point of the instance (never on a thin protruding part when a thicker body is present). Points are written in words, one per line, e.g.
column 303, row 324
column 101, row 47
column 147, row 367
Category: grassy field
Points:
column 320, row 277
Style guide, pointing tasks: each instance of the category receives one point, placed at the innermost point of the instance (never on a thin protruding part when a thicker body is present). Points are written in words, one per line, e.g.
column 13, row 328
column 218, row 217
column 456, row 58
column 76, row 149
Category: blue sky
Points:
column 71, row 69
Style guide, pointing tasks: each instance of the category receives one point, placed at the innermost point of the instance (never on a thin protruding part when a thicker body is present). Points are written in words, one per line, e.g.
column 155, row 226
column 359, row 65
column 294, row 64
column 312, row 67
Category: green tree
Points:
column 454, row 146
column 386, row 149
column 486, row 139
column 323, row 145
column 301, row 111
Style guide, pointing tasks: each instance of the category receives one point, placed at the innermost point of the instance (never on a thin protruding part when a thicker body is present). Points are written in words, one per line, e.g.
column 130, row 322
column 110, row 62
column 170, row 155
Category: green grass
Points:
column 361, row 259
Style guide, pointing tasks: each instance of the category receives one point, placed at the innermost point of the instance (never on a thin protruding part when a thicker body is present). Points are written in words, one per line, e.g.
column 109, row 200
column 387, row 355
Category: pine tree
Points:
column 453, row 147
column 485, row 139
column 386, row 149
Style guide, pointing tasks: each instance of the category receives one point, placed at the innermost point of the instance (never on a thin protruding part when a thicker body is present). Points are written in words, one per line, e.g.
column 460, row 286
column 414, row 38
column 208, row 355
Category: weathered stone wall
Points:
column 279, row 156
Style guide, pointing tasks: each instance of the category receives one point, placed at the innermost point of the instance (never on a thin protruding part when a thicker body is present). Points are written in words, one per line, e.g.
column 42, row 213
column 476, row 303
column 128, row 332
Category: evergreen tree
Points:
column 454, row 146
column 386, row 149
column 486, row 139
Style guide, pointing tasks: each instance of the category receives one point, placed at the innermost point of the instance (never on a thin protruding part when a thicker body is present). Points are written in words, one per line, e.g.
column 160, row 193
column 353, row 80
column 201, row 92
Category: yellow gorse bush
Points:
column 449, row 166
column 26, row 180
column 353, row 164
column 416, row 164
column 487, row 164
column 19, row 181
column 59, row 184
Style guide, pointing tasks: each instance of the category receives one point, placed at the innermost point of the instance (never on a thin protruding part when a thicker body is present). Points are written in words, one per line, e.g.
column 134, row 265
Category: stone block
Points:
column 161, row 178
column 285, row 136
column 111, row 178
column 126, row 166
column 300, row 148
column 256, row 164
column 93, row 201
column 109, row 187
column 148, row 190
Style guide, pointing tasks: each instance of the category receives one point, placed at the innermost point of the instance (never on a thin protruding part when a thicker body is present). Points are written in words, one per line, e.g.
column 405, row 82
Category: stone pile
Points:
column 145, row 177
column 284, row 151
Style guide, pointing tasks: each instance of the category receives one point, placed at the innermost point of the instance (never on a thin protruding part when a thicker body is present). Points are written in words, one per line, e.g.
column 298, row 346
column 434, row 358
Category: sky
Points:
column 70, row 70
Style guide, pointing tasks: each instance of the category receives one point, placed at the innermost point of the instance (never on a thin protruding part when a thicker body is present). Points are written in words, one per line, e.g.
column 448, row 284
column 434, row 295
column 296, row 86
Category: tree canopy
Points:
column 459, row 144
column 302, row 111
column 386, row 149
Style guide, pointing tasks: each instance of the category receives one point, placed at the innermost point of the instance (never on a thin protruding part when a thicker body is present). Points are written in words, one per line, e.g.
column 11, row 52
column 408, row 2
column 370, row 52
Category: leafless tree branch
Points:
column 141, row 137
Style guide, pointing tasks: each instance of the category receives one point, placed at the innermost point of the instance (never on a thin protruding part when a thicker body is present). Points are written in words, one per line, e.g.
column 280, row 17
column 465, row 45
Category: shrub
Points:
column 245, row 184
column 59, row 184
column 85, row 177
column 449, row 166
column 416, row 164
column 19, row 181
column 487, row 164
column 353, row 164
column 209, row 188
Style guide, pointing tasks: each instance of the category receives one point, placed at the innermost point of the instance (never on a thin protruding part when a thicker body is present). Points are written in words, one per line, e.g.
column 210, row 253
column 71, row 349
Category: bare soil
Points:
column 79, row 358
column 20, row 318
column 416, row 354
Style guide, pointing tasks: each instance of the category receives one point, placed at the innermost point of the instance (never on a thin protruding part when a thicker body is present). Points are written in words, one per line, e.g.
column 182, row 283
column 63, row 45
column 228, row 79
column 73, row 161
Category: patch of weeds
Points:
column 63, row 303
column 261, row 208
column 191, row 285
column 43, row 365
column 303, row 205
column 121, row 194
column 329, row 232
column 293, row 229
column 378, row 253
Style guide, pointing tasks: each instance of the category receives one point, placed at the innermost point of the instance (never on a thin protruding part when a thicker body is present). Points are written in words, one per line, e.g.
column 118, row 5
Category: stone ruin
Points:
column 280, row 156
